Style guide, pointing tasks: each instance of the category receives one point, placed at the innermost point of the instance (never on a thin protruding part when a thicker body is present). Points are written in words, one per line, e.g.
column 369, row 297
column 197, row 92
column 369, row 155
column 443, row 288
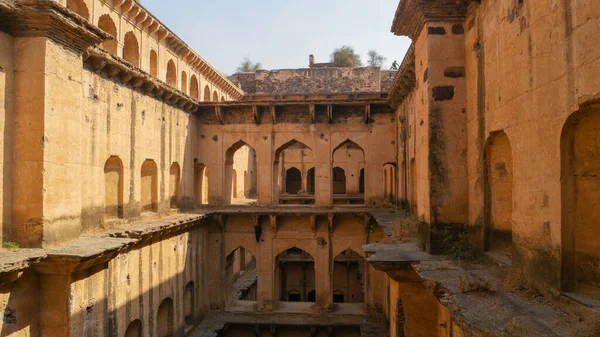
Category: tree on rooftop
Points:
column 247, row 66
column 376, row 59
column 345, row 57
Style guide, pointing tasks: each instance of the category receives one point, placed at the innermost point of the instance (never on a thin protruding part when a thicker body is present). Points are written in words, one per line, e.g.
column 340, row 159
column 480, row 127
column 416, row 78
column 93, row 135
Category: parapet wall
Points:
column 313, row 81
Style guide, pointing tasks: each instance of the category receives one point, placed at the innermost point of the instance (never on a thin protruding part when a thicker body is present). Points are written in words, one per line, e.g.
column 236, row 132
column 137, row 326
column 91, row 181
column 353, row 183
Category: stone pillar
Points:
column 324, row 270
column 264, row 165
column 445, row 80
column 54, row 300
column 323, row 168
column 265, row 268
column 46, row 162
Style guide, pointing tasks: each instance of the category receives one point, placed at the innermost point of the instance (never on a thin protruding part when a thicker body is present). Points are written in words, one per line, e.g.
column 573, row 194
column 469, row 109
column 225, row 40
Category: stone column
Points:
column 46, row 188
column 265, row 267
column 445, row 80
column 323, row 168
column 47, row 163
column 54, row 299
column 324, row 269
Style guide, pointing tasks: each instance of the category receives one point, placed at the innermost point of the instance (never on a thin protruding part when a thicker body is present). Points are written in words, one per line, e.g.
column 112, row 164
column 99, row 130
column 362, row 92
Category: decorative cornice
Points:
column 405, row 79
column 46, row 18
column 412, row 15
column 119, row 70
column 147, row 22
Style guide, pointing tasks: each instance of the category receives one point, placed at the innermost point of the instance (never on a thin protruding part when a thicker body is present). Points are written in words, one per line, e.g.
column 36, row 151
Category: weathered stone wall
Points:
column 387, row 78
column 6, row 115
column 106, row 299
column 124, row 123
column 295, row 231
column 540, row 72
column 376, row 140
column 18, row 301
column 247, row 82
column 517, row 68
column 318, row 80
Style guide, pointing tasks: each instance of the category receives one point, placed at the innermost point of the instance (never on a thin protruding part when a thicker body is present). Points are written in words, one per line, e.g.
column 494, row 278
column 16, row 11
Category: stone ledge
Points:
column 215, row 322
column 90, row 248
column 477, row 294
column 405, row 79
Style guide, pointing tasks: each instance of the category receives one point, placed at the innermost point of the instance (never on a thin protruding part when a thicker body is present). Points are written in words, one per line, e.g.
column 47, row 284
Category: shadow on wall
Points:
column 169, row 307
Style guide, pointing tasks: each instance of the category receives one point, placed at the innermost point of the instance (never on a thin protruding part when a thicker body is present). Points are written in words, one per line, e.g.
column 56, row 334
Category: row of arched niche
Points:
column 165, row 316
column 295, row 175
column 131, row 54
column 295, row 277
column 579, row 202
column 295, row 181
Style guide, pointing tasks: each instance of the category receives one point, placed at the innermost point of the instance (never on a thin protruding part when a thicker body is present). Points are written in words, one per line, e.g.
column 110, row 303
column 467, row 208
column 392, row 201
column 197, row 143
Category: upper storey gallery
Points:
column 140, row 39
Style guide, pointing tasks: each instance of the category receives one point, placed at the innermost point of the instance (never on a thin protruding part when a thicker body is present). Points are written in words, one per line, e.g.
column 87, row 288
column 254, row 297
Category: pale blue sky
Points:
column 281, row 33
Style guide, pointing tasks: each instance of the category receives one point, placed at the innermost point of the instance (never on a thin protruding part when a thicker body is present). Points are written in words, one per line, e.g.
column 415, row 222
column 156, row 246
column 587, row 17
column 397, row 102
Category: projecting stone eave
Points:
column 38, row 18
column 405, row 79
column 412, row 15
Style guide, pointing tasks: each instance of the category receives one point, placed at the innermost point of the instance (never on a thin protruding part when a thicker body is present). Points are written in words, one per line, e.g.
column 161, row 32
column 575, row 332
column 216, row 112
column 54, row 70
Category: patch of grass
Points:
column 458, row 243
column 521, row 284
column 10, row 245
column 471, row 285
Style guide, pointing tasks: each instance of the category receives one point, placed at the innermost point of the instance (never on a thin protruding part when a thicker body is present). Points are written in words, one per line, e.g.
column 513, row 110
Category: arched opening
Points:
column 188, row 306
column 184, row 85
column 241, row 276
column 338, row 296
column 246, row 184
column 175, row 185
column 149, row 186
column 292, row 160
column 312, row 296
column 113, row 188
column 206, row 94
column 499, row 194
column 131, row 49
column 412, row 177
column 79, row 7
column 389, row 183
column 294, row 296
column 580, row 198
column 310, row 181
column 348, row 173
column 108, row 25
column 293, row 181
column 348, row 277
column 171, row 74
column 361, row 181
column 222, row 98
column 134, row 329
column 295, row 270
column 194, row 87
column 234, row 186
column 201, row 184
column 339, row 180
column 153, row 63
column 164, row 319
column 215, row 96
column 240, row 157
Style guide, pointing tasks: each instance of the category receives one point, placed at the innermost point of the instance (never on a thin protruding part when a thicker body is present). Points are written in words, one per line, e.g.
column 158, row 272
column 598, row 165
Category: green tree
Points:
column 376, row 59
column 247, row 66
column 345, row 57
